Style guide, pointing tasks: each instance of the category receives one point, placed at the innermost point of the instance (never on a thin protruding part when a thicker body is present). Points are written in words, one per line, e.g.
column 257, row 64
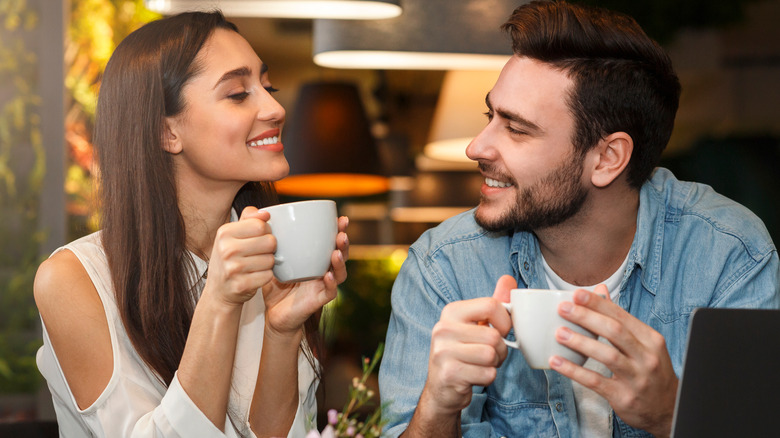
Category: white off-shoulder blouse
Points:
column 135, row 403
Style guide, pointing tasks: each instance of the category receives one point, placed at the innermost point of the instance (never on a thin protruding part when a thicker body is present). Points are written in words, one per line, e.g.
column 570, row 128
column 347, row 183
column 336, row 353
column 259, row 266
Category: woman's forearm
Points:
column 275, row 401
column 206, row 367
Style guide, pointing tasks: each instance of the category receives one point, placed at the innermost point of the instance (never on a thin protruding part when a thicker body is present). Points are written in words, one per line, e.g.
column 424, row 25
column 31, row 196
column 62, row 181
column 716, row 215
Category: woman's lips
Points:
column 268, row 140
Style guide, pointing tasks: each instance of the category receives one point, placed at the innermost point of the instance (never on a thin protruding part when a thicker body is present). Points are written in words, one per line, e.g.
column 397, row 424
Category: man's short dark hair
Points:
column 623, row 80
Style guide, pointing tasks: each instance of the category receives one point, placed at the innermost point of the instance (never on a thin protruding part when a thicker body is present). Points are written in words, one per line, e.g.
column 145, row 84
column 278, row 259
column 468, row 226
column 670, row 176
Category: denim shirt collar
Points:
column 645, row 252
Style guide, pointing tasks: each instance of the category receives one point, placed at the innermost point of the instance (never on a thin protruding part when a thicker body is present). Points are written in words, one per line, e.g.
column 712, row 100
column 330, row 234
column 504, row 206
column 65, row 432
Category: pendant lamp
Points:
column 329, row 145
column 459, row 115
column 429, row 35
column 343, row 9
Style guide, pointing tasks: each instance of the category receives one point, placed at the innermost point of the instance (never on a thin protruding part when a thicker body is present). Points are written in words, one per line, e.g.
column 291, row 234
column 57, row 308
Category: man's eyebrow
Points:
column 514, row 117
column 240, row 72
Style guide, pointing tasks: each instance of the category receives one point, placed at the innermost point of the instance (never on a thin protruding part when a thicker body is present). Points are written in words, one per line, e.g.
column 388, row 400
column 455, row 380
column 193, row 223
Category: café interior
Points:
column 382, row 98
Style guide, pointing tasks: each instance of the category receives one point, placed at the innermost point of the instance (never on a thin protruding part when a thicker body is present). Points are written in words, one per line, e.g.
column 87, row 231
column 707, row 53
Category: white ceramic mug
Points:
column 305, row 234
column 535, row 319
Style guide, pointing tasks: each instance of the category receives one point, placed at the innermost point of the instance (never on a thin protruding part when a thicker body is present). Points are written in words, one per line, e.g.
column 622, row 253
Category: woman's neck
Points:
column 203, row 214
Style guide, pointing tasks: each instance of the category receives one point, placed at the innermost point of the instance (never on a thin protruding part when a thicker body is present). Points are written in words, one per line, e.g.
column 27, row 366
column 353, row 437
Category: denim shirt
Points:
column 692, row 248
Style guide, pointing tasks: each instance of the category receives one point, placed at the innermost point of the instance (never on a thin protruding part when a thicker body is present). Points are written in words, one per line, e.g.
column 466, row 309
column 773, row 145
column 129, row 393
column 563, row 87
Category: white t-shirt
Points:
column 135, row 403
column 594, row 414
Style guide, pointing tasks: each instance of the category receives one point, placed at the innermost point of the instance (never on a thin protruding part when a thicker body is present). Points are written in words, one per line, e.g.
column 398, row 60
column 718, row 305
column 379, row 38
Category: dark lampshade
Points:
column 329, row 145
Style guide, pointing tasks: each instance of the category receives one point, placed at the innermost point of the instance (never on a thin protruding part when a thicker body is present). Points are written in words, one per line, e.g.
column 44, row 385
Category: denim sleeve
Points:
column 755, row 285
column 417, row 302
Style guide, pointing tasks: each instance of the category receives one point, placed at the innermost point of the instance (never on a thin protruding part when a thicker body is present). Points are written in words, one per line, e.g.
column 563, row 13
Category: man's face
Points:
column 533, row 177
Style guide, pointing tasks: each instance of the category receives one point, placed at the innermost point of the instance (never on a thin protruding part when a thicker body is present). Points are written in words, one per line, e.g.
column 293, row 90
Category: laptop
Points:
column 730, row 385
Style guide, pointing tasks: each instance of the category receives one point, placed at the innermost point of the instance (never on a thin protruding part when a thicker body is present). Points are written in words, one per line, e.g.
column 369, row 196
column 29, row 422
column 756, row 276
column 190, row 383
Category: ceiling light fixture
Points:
column 429, row 35
column 333, row 9
column 459, row 114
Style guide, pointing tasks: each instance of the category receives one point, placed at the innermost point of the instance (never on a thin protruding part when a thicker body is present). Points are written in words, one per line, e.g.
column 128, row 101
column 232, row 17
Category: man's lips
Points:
column 496, row 184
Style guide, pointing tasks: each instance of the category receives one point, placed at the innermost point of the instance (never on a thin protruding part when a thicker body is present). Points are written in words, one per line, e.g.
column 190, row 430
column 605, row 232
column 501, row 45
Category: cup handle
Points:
column 512, row 344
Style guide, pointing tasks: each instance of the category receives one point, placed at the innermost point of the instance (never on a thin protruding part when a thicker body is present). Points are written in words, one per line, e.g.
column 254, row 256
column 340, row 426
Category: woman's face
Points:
column 230, row 130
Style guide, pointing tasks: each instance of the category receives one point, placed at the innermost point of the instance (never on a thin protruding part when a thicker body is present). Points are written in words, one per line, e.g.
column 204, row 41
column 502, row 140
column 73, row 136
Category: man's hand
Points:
column 466, row 350
column 643, row 385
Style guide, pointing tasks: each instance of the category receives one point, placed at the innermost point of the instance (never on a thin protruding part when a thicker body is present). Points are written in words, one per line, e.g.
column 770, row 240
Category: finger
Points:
column 248, row 283
column 247, row 227
column 585, row 377
column 343, row 223
column 454, row 373
column 468, row 334
column 504, row 286
column 339, row 266
column 342, row 244
column 482, row 355
column 328, row 292
column 602, row 352
column 249, row 212
column 602, row 290
column 638, row 330
column 590, row 318
column 478, row 310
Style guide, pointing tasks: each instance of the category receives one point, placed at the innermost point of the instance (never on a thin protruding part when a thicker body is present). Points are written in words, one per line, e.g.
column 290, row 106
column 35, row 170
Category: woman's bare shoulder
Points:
column 76, row 324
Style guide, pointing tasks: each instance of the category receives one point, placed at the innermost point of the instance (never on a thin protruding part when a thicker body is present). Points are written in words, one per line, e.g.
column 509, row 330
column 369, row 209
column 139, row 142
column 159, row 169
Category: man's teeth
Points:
column 493, row 183
column 265, row 141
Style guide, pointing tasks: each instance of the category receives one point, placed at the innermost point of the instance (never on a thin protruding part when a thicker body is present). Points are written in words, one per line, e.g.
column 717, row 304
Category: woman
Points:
column 169, row 321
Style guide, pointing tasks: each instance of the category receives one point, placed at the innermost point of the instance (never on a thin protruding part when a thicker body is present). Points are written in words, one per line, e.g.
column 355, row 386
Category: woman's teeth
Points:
column 265, row 141
column 494, row 183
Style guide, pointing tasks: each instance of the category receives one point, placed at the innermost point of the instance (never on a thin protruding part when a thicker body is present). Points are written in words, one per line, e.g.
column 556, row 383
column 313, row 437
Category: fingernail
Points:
column 330, row 276
column 581, row 296
column 555, row 361
column 340, row 256
column 564, row 334
column 566, row 307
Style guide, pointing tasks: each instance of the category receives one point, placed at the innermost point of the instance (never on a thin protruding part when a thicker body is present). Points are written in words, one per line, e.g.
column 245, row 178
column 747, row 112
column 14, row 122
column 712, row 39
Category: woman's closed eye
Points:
column 239, row 97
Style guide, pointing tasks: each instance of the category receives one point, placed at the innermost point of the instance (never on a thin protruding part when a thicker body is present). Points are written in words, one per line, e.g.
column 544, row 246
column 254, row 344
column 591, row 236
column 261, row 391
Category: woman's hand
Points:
column 288, row 306
column 242, row 258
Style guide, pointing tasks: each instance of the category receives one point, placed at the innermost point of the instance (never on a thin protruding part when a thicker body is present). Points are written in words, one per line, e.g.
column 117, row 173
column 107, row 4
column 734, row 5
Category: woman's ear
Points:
column 614, row 153
column 171, row 140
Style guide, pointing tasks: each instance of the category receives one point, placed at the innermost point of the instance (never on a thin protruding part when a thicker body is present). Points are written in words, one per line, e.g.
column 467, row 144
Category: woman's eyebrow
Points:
column 232, row 74
column 240, row 72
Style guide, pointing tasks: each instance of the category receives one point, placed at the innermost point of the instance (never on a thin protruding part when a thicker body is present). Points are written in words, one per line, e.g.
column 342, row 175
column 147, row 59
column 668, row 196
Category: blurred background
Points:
column 379, row 111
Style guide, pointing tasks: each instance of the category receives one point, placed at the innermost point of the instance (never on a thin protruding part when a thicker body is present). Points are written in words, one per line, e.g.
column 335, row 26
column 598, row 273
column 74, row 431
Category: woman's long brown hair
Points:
column 143, row 231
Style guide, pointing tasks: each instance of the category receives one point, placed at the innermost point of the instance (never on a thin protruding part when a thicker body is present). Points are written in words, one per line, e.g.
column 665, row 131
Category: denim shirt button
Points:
column 559, row 407
column 525, row 265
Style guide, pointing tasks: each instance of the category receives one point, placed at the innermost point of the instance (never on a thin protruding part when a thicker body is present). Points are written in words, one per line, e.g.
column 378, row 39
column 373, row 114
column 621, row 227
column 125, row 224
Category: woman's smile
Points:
column 269, row 140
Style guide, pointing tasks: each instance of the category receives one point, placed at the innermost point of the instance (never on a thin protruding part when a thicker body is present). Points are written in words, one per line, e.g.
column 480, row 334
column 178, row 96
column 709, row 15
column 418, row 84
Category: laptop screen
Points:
column 730, row 385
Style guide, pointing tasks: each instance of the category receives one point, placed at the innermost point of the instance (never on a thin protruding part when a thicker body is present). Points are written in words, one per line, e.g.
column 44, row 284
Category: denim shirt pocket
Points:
column 623, row 430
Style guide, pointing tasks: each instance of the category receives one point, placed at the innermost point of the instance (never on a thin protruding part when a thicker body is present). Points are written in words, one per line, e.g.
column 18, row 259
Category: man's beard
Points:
column 551, row 201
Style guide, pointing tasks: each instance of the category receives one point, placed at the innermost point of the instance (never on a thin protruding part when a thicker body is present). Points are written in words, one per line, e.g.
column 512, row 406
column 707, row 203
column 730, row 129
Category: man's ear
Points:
column 171, row 140
column 614, row 152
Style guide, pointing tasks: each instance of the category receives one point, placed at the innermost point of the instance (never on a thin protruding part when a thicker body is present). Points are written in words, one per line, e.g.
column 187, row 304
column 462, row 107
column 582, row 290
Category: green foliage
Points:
column 347, row 423
column 357, row 319
column 95, row 29
column 22, row 168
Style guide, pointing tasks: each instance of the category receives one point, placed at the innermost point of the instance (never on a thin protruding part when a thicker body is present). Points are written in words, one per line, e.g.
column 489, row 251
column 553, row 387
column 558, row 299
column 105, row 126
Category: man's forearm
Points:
column 428, row 421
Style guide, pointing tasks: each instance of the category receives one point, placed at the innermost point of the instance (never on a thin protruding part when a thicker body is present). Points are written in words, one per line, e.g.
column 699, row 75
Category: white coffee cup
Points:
column 305, row 234
column 535, row 319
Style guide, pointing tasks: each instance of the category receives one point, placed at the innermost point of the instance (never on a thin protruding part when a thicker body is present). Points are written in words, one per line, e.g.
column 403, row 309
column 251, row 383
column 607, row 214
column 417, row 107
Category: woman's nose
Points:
column 270, row 109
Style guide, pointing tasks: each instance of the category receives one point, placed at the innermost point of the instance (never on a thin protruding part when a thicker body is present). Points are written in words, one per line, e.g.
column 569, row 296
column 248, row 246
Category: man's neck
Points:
column 589, row 247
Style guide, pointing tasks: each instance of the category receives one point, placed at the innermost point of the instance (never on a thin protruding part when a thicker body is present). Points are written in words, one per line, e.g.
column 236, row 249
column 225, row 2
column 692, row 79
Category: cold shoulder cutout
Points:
column 134, row 402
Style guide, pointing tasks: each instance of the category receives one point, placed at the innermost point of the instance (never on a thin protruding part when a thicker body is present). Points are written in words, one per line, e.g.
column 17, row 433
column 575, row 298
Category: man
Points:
column 576, row 125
